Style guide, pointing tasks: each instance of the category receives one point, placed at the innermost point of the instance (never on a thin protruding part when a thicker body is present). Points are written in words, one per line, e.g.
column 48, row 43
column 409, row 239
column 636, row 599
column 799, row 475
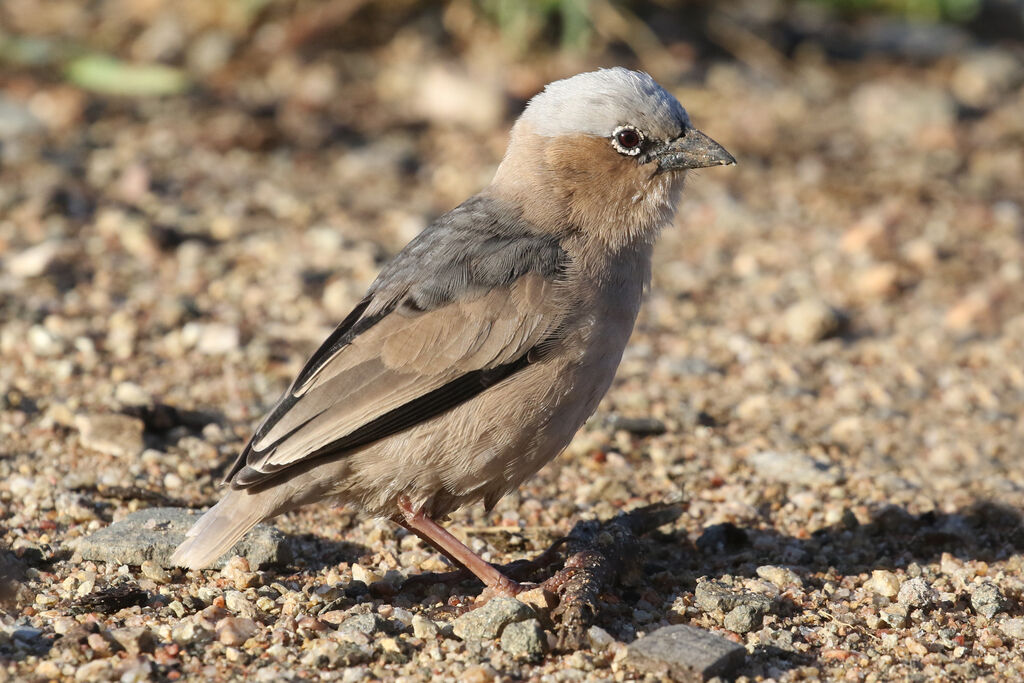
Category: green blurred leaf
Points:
column 104, row 74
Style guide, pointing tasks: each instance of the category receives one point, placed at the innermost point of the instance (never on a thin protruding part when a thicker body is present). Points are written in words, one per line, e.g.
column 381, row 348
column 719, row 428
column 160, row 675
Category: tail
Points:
column 215, row 532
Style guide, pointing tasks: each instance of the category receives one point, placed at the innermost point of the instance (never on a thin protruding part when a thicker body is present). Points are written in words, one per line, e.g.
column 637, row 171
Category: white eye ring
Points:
column 620, row 147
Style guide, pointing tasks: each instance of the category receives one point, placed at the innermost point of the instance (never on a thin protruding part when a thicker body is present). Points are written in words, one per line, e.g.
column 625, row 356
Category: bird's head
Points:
column 604, row 152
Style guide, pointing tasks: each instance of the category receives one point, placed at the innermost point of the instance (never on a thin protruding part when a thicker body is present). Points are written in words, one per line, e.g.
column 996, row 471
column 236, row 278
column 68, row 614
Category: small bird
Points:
column 485, row 344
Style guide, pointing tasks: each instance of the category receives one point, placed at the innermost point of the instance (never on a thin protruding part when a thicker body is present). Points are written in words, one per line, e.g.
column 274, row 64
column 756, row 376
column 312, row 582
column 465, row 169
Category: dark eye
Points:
column 627, row 140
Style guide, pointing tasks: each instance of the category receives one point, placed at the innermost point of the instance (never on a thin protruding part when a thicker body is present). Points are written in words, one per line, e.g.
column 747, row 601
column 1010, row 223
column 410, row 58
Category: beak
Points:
column 692, row 149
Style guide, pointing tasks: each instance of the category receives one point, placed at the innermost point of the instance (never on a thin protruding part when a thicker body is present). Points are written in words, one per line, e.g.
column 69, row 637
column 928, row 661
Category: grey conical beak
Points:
column 692, row 149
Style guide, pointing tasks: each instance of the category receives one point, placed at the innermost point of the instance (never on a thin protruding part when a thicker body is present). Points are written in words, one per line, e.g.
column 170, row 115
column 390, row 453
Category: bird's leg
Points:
column 437, row 536
column 461, row 568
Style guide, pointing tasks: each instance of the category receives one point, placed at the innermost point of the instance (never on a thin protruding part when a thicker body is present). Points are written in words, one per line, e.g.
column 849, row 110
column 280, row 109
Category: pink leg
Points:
column 456, row 550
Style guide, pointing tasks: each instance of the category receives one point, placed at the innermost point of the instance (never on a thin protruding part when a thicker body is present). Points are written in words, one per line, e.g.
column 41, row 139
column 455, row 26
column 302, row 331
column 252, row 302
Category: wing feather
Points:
column 466, row 304
column 396, row 365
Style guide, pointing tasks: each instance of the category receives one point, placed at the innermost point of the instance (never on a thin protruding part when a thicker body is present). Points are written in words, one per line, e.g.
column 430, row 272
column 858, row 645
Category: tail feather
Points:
column 217, row 530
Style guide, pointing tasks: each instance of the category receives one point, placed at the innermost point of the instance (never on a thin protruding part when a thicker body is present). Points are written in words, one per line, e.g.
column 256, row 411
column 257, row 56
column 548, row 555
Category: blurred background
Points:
column 831, row 358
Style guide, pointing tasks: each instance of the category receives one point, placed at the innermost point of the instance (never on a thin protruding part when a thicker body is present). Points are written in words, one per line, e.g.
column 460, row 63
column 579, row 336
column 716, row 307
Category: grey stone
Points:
column 987, row 600
column 638, row 426
column 793, row 468
column 329, row 654
column 685, row 653
column 713, row 595
column 135, row 640
column 744, row 619
column 895, row 616
column 488, row 621
column 364, row 623
column 524, row 639
column 154, row 533
column 599, row 638
column 916, row 593
column 118, row 435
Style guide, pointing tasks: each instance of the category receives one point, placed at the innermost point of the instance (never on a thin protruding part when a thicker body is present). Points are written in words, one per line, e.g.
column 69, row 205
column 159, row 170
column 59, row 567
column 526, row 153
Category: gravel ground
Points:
column 828, row 375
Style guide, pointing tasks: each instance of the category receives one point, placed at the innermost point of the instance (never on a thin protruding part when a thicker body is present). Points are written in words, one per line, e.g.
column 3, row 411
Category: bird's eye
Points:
column 627, row 140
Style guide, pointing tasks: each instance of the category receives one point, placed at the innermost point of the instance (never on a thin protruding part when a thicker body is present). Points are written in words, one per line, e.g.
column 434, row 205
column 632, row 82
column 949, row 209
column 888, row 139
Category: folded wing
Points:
column 465, row 314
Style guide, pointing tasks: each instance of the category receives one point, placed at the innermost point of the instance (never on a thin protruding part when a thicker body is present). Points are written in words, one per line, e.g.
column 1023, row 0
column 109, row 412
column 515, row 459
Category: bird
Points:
column 485, row 344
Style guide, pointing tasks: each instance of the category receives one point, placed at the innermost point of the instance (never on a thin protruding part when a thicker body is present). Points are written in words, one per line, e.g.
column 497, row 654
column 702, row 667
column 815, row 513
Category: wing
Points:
column 466, row 304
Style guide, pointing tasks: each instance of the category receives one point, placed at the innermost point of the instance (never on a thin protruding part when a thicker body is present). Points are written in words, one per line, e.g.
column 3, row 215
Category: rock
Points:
column 236, row 602
column 135, row 640
column 685, row 653
column 488, row 621
column 424, row 628
column 883, row 582
column 35, row 260
column 324, row 653
column 364, row 623
column 809, row 321
column 714, row 595
column 779, row 576
column 234, row 631
column 367, row 576
column 210, row 338
column 118, row 435
column 895, row 616
column 524, row 639
column 539, row 598
column 744, row 611
column 637, row 426
column 479, row 674
column 1013, row 628
column 916, row 593
column 599, row 638
column 793, row 468
column 744, row 618
column 130, row 394
column 154, row 533
column 154, row 572
column 988, row 600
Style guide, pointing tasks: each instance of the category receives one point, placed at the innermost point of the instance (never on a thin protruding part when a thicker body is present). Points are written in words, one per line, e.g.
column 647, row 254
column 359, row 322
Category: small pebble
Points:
column 988, row 600
column 916, row 593
column 744, row 619
column 488, row 621
column 524, row 639
column 235, row 631
column 154, row 572
column 884, row 582
column 424, row 628
column 811, row 321
column 118, row 435
column 780, row 576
